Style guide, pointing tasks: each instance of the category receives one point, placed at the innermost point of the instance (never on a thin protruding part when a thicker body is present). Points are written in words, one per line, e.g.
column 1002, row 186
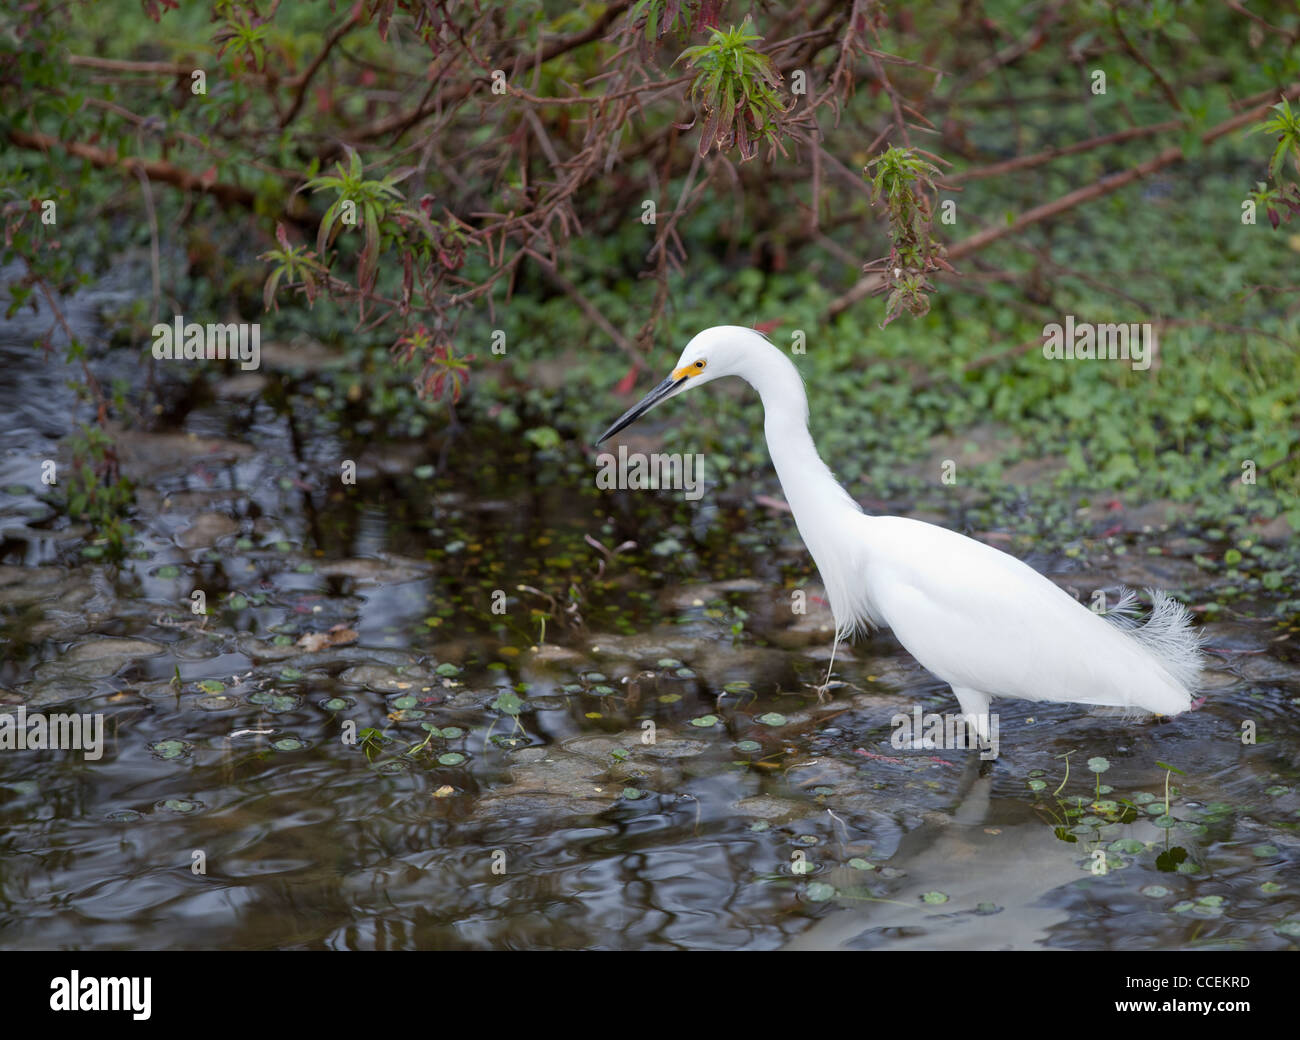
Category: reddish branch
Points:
column 1027, row 162
column 560, row 145
column 154, row 169
column 866, row 286
column 305, row 79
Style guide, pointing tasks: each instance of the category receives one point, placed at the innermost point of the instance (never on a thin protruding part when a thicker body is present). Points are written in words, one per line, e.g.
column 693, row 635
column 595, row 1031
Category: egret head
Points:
column 714, row 353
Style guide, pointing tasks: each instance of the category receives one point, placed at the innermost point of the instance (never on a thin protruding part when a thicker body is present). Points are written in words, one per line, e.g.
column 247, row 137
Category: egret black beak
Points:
column 644, row 405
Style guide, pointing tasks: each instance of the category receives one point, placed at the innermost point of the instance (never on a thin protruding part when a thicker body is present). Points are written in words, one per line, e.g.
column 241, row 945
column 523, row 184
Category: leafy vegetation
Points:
column 416, row 185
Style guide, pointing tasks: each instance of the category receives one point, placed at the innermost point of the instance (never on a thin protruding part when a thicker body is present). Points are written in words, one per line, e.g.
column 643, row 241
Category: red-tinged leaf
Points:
column 1273, row 217
column 153, row 9
column 709, row 13
column 208, row 176
column 268, row 290
column 281, row 235
column 766, row 327
column 671, row 10
column 747, row 149
column 710, row 132
column 384, row 16
column 625, row 385
column 420, row 216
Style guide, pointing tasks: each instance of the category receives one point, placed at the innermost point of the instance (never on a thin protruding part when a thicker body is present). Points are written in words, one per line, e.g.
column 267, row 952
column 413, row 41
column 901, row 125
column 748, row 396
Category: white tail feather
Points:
column 1168, row 634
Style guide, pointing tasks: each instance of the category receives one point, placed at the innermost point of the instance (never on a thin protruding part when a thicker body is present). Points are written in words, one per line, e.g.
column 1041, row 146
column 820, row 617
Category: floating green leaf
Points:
column 288, row 744
column 508, row 703
column 166, row 749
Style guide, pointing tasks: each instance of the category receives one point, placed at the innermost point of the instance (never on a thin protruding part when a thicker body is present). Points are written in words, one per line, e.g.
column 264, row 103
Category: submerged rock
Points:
column 388, row 679
column 551, row 653
column 56, row 690
column 555, row 782
column 672, row 747
column 97, row 658
column 22, row 585
column 647, row 647
column 206, row 530
column 386, row 570
column 586, row 774
column 770, row 807
column 144, row 457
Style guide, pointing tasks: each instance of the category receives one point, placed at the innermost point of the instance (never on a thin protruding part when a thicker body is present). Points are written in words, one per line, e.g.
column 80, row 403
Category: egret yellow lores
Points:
column 981, row 620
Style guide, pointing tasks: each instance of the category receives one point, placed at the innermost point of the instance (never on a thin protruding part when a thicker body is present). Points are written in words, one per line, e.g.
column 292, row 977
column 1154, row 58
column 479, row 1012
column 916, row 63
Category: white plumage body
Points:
column 984, row 621
column 979, row 619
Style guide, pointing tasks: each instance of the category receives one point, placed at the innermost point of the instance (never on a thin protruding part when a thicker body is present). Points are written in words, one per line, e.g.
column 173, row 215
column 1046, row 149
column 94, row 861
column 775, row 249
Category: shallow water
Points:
column 552, row 823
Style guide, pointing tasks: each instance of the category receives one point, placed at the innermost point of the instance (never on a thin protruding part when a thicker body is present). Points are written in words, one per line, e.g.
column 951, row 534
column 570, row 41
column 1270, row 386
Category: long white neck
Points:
column 809, row 486
column 817, row 500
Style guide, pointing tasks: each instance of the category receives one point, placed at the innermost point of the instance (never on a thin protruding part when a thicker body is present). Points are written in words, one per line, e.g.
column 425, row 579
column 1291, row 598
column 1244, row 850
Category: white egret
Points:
column 981, row 620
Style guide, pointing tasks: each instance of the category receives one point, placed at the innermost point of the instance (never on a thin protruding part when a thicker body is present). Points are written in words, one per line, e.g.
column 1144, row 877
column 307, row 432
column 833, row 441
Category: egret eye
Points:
column 699, row 364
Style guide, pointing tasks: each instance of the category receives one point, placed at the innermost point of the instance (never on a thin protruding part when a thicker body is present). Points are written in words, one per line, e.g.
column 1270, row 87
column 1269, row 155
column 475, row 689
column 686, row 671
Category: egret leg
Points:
column 975, row 710
column 823, row 691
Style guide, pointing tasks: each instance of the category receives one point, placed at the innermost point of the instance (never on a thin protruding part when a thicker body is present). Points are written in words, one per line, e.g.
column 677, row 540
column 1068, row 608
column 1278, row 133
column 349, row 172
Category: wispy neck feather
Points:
column 827, row 517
